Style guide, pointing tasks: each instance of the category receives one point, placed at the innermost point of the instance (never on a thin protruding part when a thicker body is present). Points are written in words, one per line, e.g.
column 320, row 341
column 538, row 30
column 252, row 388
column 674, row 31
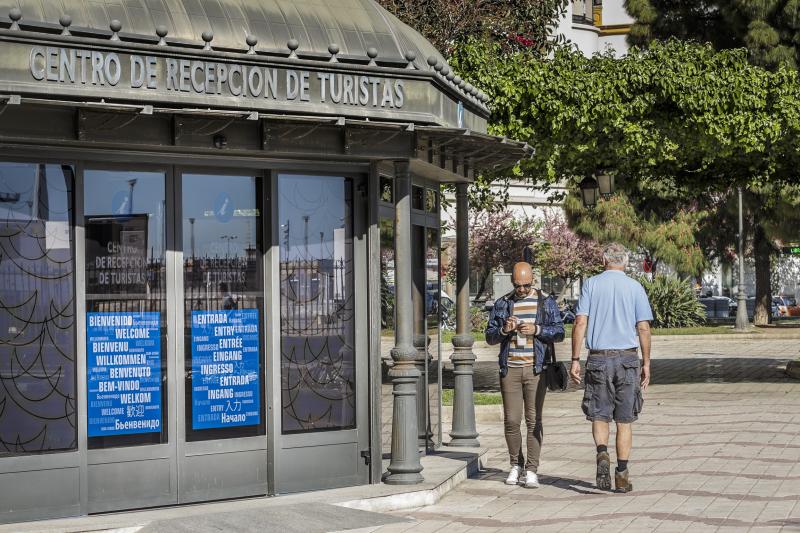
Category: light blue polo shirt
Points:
column 614, row 304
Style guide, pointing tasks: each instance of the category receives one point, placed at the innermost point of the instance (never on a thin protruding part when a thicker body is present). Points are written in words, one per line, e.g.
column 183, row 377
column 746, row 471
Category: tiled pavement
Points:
column 717, row 448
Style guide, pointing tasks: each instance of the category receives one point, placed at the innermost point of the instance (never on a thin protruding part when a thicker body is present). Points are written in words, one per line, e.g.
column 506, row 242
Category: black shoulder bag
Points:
column 556, row 372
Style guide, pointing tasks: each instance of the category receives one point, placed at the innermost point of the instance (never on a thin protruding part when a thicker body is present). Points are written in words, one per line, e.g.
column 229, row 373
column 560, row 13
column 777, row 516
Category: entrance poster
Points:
column 123, row 353
column 225, row 368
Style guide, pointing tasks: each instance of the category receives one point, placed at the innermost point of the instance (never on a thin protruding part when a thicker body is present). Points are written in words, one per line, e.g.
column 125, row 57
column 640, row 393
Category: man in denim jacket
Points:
column 525, row 324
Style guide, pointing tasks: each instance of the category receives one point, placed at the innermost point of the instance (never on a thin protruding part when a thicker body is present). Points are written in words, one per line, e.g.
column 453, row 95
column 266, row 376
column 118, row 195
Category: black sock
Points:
column 622, row 465
column 602, row 448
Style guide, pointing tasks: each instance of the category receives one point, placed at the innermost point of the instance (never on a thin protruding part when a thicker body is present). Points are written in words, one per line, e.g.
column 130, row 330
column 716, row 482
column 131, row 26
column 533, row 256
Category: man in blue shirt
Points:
column 612, row 310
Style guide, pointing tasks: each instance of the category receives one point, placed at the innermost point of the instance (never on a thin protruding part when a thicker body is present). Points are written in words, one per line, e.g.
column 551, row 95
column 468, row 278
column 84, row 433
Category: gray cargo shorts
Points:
column 613, row 387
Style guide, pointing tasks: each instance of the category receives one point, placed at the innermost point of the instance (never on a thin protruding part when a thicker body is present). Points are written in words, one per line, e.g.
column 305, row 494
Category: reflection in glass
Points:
column 421, row 303
column 434, row 310
column 223, row 306
column 387, row 326
column 417, row 197
column 126, row 285
column 387, row 190
column 431, row 201
column 37, row 313
column 317, row 303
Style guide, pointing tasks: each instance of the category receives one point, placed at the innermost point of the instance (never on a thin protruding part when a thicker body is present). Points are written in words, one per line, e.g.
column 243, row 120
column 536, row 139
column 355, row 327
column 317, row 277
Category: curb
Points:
column 418, row 498
column 793, row 369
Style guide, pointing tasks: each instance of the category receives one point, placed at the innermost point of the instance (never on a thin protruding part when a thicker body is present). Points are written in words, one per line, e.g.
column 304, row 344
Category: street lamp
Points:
column 228, row 238
column 589, row 192
column 605, row 183
column 742, row 320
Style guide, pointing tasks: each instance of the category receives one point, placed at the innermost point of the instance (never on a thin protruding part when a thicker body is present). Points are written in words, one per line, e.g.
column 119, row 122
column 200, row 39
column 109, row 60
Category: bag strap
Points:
column 539, row 311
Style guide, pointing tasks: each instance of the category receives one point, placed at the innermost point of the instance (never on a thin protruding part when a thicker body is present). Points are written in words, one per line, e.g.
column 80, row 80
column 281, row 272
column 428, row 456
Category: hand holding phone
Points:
column 511, row 324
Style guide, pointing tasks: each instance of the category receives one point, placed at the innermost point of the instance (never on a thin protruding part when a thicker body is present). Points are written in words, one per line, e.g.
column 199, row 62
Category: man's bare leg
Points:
column 624, row 440
column 600, row 434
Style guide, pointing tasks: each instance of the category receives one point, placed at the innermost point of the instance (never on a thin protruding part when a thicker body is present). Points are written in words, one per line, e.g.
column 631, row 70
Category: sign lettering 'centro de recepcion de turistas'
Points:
column 80, row 67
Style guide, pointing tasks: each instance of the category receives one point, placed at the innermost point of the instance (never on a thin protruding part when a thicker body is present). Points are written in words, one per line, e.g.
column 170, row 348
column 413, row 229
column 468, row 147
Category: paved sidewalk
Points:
column 713, row 451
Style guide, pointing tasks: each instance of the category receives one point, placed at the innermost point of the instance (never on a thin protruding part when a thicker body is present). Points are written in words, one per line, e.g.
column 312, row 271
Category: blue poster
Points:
column 225, row 373
column 123, row 352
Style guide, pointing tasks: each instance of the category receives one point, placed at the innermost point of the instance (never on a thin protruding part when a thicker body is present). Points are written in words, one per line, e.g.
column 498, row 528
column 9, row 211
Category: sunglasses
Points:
column 525, row 286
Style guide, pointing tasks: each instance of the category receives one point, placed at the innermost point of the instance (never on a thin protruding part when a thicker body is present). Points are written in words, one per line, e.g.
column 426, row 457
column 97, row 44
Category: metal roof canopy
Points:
column 330, row 37
column 438, row 153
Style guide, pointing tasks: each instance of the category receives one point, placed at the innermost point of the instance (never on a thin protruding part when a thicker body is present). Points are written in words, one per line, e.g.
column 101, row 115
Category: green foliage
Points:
column 667, row 236
column 677, row 117
column 478, row 318
column 769, row 29
column 673, row 302
column 679, row 124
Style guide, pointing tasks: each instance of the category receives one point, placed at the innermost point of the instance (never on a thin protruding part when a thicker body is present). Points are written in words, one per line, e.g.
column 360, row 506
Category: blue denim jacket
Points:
column 548, row 317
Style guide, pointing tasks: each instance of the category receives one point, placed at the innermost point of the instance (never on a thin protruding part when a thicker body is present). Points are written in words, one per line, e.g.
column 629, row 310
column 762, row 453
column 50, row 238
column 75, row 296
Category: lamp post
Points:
column 589, row 192
column 741, row 310
column 605, row 183
column 228, row 238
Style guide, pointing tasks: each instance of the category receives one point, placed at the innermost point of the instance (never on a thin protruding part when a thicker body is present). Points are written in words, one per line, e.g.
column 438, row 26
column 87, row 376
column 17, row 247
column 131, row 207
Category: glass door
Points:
column 130, row 428
column 223, row 442
column 323, row 417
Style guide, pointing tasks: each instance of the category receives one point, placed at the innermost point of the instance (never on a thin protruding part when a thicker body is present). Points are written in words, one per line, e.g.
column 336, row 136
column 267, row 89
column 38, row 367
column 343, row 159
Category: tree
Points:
column 662, row 238
column 517, row 24
column 497, row 239
column 769, row 29
column 770, row 32
column 680, row 124
column 563, row 254
column 513, row 25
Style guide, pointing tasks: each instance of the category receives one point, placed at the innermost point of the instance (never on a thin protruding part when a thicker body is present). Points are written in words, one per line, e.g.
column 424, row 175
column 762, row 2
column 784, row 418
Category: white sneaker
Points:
column 531, row 480
column 513, row 476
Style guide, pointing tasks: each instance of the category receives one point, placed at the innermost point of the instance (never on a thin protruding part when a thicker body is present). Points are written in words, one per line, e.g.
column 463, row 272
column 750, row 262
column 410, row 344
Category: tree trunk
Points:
column 567, row 285
column 763, row 257
column 482, row 285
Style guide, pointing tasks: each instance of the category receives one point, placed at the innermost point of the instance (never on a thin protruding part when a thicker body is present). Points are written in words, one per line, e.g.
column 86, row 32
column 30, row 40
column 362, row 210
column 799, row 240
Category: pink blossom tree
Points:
column 563, row 254
column 497, row 239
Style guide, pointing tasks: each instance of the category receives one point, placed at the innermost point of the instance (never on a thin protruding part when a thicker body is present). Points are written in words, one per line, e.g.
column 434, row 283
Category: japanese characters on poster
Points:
column 123, row 353
column 225, row 368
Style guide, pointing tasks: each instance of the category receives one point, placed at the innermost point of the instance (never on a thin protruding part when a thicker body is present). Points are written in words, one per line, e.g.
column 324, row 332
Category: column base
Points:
column 403, row 479
column 463, row 443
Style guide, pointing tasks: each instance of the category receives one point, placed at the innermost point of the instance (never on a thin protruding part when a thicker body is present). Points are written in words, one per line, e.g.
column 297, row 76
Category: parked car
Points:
column 444, row 301
column 781, row 305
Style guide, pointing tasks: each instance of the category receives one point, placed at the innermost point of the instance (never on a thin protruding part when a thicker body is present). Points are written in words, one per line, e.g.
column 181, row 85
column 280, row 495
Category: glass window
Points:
column 223, row 306
column 387, row 325
column 417, row 198
column 387, row 190
column 126, row 298
column 437, row 304
column 431, row 201
column 37, row 314
column 318, row 377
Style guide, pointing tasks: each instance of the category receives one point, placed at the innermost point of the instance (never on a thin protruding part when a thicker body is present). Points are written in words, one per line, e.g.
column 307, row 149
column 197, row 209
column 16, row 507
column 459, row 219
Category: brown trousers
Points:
column 521, row 388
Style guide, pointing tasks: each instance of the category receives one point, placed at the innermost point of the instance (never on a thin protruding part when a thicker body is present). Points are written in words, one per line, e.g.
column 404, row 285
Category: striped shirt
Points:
column 521, row 351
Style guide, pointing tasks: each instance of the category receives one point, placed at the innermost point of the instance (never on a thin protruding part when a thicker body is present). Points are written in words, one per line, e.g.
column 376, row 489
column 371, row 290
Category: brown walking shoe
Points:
column 603, row 471
column 622, row 482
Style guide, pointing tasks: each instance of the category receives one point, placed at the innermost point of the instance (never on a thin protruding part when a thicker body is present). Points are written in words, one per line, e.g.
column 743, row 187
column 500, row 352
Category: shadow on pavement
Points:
column 666, row 372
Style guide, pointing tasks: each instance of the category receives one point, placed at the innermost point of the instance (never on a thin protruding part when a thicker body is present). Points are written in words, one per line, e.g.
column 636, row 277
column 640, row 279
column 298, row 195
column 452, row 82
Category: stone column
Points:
column 405, row 467
column 463, row 432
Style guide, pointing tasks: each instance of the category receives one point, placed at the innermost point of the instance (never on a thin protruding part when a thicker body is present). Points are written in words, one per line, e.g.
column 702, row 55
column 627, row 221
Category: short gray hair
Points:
column 616, row 255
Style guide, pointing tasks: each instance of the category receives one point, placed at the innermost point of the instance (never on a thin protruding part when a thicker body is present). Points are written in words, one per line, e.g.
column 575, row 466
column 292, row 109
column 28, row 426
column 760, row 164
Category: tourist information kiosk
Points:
column 191, row 197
